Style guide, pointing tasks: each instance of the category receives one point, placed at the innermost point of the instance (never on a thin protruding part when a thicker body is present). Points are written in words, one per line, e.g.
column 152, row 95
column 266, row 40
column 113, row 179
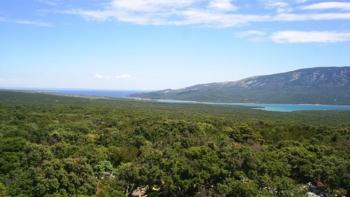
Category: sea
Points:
column 272, row 106
column 97, row 93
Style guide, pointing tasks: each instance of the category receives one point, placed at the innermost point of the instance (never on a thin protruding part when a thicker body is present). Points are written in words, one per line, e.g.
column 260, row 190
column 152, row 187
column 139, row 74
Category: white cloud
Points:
column 111, row 77
column 34, row 23
column 153, row 12
column 26, row 22
column 151, row 5
column 217, row 13
column 167, row 12
column 285, row 37
column 282, row 6
column 279, row 6
column 212, row 18
column 310, row 37
column 253, row 35
column 224, row 5
column 328, row 5
column 311, row 17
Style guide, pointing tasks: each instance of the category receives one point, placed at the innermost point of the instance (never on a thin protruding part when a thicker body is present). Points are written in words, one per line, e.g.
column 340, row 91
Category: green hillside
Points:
column 64, row 146
column 313, row 86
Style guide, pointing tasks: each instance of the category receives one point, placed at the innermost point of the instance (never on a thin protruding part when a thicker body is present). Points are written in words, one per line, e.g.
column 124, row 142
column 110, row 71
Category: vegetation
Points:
column 324, row 85
column 64, row 146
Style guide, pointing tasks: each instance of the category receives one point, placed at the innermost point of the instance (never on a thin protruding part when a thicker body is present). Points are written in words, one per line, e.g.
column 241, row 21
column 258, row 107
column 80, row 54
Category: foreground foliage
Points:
column 62, row 146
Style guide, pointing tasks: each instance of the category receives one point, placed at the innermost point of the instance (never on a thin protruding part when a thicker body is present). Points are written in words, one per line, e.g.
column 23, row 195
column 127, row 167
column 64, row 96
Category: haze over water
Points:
column 260, row 106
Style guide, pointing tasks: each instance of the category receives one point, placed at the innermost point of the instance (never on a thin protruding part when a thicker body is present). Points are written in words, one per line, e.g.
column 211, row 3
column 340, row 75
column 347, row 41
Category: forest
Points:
column 54, row 145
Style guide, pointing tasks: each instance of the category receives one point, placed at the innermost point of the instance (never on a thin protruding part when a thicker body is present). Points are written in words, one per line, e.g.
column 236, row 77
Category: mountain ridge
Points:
column 317, row 85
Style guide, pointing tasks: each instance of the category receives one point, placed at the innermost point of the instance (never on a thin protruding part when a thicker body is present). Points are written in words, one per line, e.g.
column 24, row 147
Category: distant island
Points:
column 320, row 85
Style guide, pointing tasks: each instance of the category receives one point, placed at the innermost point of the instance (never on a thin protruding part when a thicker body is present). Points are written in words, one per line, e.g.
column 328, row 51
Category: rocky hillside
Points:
column 324, row 85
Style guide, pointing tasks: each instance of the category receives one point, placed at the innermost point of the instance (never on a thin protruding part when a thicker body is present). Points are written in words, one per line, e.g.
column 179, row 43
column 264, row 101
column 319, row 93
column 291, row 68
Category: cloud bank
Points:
column 310, row 37
column 328, row 6
column 227, row 14
column 26, row 22
column 221, row 13
column 293, row 37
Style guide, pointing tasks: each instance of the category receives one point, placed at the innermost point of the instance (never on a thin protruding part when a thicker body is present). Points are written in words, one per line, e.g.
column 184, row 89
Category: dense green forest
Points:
column 65, row 146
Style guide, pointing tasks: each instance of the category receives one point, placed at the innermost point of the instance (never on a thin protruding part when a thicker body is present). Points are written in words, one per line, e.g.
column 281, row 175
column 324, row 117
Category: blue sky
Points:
column 158, row 44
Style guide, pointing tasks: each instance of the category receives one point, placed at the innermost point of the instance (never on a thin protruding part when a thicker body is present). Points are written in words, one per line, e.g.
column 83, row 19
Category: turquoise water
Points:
column 273, row 107
column 265, row 107
column 297, row 107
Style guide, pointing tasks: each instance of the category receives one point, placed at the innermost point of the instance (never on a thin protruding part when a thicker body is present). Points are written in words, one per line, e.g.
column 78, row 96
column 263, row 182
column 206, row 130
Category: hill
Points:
column 54, row 145
column 322, row 85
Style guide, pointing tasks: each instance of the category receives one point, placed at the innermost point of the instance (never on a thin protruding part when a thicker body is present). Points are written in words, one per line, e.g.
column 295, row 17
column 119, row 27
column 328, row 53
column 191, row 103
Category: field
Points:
column 65, row 146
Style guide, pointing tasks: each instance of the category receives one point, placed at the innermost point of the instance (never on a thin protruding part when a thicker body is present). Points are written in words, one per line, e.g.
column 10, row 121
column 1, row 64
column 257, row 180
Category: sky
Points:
column 161, row 44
